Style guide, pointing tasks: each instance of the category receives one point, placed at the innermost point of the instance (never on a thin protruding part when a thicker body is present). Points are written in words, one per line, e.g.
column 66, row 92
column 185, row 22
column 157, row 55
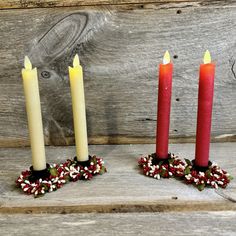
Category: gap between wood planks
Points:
column 104, row 140
column 161, row 206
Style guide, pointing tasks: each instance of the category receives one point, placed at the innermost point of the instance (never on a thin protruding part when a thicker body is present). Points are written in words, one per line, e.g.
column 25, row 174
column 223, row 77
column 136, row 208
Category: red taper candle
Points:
column 163, row 107
column 204, row 114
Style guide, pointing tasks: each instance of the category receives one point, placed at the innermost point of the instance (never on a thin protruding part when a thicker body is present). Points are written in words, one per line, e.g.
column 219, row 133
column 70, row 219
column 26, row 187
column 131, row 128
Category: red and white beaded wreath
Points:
column 60, row 174
column 213, row 176
column 171, row 167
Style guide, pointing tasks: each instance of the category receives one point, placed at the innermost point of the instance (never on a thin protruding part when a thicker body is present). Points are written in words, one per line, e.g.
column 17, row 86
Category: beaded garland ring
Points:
column 186, row 171
column 157, row 168
column 58, row 175
column 211, row 176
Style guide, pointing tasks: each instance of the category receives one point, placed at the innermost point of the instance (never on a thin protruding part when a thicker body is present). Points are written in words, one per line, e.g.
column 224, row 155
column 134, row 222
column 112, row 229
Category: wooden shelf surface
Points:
column 147, row 223
column 122, row 189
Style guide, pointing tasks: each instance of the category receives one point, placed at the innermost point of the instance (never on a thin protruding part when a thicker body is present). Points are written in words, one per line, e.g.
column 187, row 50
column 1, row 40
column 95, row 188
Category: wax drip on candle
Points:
column 27, row 63
column 166, row 58
column 207, row 57
column 76, row 61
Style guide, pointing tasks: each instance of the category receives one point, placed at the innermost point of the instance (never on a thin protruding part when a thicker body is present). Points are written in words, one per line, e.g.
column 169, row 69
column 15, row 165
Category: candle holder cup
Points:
column 201, row 168
column 83, row 163
column 39, row 174
column 157, row 160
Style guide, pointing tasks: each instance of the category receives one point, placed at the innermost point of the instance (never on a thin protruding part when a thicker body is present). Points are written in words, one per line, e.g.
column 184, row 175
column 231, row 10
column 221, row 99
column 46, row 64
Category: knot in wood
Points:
column 45, row 74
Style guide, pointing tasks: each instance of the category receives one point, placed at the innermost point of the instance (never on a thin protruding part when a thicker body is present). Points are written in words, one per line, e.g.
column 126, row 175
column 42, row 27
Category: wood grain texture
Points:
column 122, row 189
column 13, row 4
column 119, row 48
column 178, row 224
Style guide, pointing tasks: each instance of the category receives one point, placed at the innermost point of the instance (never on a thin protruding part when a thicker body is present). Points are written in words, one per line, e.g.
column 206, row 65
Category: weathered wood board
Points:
column 122, row 189
column 120, row 48
column 6, row 4
column 172, row 224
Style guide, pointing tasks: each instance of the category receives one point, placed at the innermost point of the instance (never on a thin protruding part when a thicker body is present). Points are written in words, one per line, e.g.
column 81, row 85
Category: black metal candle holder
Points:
column 201, row 168
column 83, row 163
column 39, row 174
column 157, row 160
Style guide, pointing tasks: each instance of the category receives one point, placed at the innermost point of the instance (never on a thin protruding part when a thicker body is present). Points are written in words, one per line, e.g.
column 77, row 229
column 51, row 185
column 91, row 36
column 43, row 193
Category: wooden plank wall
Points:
column 120, row 46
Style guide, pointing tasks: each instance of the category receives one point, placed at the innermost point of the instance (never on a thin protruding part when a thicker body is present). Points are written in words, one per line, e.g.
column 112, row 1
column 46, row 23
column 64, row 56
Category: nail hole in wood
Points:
column 141, row 6
column 179, row 12
column 175, row 198
column 175, row 56
column 176, row 130
column 45, row 74
column 177, row 99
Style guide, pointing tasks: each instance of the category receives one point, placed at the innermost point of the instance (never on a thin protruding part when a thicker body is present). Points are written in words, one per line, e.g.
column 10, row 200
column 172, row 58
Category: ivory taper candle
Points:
column 33, row 109
column 79, row 112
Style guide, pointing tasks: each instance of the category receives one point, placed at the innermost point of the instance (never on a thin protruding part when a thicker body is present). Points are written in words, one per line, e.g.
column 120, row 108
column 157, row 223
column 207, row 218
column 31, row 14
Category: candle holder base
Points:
column 39, row 174
column 157, row 168
column 84, row 170
column 55, row 176
column 83, row 163
column 201, row 168
column 209, row 176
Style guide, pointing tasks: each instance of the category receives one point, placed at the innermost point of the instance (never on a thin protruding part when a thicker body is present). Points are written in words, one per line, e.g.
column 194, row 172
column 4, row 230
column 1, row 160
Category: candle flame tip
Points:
column 27, row 63
column 207, row 57
column 166, row 58
column 76, row 61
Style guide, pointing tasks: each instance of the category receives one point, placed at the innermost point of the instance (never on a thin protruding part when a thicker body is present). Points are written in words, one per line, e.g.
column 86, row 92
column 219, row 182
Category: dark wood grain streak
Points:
column 120, row 48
